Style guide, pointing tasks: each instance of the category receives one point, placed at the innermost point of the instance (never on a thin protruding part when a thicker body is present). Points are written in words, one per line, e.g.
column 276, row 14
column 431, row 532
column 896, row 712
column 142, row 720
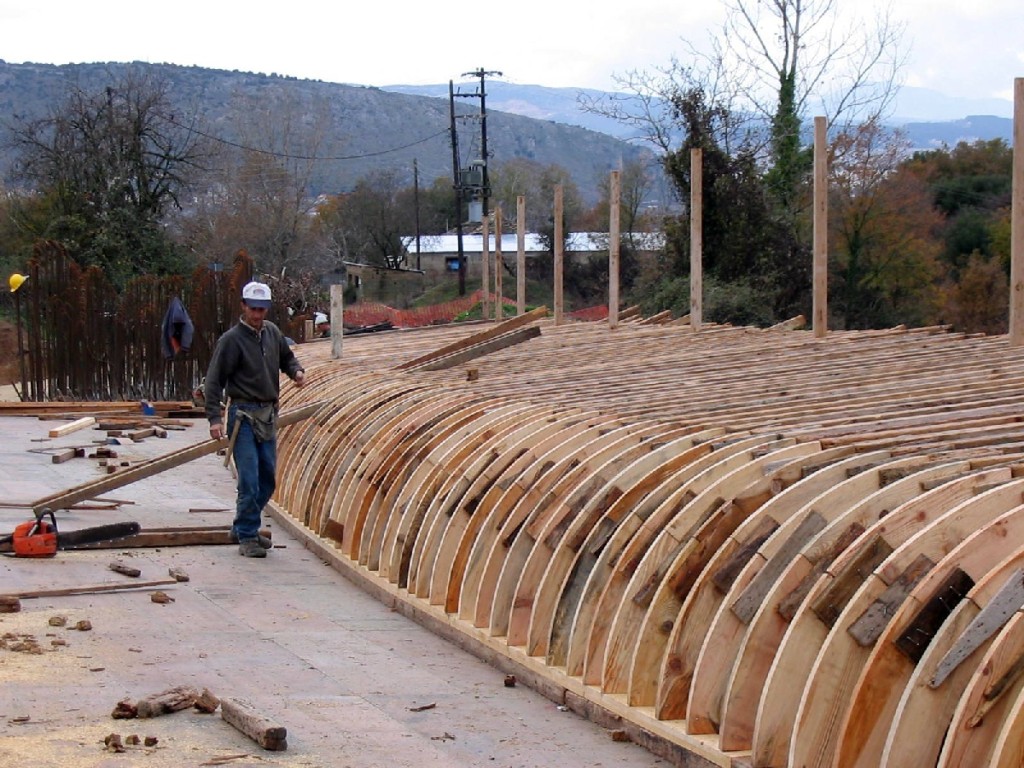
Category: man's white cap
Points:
column 256, row 295
column 319, row 318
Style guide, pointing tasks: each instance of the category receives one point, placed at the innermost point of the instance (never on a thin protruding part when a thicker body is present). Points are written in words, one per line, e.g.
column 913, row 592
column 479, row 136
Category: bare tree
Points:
column 772, row 61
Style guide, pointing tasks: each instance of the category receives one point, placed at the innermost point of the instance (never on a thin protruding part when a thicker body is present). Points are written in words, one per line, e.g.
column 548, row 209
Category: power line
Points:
column 287, row 156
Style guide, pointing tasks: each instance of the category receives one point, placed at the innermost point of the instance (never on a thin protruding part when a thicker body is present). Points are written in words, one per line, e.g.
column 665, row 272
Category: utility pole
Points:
column 457, row 173
column 472, row 184
column 416, row 205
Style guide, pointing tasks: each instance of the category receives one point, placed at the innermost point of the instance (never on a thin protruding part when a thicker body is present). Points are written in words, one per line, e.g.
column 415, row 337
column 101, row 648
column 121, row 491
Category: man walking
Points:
column 246, row 367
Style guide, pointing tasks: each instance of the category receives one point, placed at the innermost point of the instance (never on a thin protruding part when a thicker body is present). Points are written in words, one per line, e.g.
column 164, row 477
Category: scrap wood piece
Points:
column 264, row 731
column 993, row 616
column 74, row 426
column 66, row 454
column 479, row 350
column 475, row 339
column 64, row 499
column 154, row 705
column 9, row 604
column 88, row 590
column 126, row 570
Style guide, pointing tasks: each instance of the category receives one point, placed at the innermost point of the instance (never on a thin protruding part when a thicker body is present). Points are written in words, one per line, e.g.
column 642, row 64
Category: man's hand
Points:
column 300, row 379
column 217, row 431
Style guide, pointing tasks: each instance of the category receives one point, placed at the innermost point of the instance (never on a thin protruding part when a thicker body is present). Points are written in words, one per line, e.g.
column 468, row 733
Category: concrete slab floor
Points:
column 288, row 634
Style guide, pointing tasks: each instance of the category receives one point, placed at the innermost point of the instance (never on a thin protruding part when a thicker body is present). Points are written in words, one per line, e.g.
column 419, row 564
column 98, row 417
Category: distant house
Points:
column 437, row 259
column 439, row 254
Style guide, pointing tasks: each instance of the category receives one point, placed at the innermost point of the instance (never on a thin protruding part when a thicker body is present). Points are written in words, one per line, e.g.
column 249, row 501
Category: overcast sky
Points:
column 965, row 48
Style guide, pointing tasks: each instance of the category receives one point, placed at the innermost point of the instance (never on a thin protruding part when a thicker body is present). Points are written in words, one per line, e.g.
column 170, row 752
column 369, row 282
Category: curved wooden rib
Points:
column 923, row 711
column 994, row 685
column 885, row 674
column 695, row 552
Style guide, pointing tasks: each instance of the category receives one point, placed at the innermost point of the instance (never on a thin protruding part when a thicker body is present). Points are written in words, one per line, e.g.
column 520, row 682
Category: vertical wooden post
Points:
column 337, row 319
column 614, row 197
column 559, row 254
column 485, row 266
column 820, row 271
column 499, row 310
column 521, row 255
column 696, row 238
column 23, row 394
column 1017, row 219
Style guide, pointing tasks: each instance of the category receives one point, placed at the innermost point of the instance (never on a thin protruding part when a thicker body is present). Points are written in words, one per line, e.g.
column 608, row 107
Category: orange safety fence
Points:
column 365, row 314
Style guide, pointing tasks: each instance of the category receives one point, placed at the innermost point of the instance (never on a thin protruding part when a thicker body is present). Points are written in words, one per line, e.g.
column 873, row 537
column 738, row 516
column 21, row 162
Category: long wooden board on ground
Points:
column 92, row 489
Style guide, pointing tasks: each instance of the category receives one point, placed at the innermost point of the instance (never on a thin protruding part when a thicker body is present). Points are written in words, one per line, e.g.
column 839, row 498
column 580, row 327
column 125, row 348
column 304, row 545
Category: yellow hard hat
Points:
column 15, row 281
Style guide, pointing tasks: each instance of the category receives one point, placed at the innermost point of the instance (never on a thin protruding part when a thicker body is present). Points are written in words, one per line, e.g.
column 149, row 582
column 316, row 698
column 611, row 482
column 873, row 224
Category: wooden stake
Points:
column 520, row 254
column 485, row 266
column 559, row 254
column 614, row 196
column 337, row 319
column 1017, row 220
column 696, row 237
column 499, row 310
column 820, row 286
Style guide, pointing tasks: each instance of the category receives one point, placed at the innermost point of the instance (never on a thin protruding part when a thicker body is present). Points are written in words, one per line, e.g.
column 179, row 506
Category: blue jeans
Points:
column 256, row 464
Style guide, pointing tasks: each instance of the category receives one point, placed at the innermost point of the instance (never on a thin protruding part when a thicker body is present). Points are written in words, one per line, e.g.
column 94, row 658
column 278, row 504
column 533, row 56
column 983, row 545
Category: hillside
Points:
column 369, row 128
column 928, row 118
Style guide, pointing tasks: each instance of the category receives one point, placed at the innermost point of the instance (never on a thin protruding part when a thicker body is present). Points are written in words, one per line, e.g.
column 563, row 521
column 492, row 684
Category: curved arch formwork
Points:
column 743, row 547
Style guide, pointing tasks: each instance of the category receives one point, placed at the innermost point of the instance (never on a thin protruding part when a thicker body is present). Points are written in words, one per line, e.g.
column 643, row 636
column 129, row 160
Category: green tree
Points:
column 110, row 166
column 883, row 255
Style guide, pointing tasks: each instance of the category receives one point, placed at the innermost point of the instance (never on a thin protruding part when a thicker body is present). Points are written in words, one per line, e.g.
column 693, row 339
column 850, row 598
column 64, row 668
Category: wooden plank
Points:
column 753, row 596
column 496, row 344
column 830, row 603
column 476, row 338
column 65, row 499
column 90, row 589
column 866, row 629
column 74, row 426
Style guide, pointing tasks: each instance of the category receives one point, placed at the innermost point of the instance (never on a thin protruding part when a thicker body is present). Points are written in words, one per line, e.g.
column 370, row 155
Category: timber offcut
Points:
column 738, row 546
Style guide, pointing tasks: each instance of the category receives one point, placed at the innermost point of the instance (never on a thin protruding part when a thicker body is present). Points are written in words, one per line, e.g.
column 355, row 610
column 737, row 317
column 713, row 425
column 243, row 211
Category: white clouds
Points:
column 966, row 49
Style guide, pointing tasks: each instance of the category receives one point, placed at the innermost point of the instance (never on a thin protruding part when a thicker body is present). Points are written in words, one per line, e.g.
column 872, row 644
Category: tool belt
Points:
column 262, row 417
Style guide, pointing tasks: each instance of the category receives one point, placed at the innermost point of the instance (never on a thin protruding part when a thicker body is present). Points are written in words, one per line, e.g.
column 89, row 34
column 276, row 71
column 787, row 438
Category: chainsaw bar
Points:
column 71, row 539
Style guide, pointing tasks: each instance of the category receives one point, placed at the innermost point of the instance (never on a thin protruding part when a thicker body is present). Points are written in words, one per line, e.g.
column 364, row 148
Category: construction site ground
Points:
column 353, row 682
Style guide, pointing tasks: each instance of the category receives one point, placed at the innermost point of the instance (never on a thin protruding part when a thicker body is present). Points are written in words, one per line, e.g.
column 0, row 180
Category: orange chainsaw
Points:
column 40, row 537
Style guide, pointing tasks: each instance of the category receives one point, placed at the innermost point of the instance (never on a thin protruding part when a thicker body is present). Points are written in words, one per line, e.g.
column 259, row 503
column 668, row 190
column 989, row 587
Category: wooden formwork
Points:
column 744, row 547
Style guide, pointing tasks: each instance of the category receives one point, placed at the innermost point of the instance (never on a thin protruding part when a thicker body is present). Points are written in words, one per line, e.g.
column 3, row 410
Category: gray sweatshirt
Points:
column 246, row 366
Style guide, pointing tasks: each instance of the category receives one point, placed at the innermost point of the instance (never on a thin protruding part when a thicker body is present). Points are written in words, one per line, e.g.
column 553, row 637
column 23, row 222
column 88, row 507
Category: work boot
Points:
column 264, row 541
column 251, row 548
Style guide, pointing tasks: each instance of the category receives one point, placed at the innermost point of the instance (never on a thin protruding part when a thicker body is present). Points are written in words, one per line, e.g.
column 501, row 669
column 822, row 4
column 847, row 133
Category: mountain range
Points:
column 401, row 126
column 929, row 119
